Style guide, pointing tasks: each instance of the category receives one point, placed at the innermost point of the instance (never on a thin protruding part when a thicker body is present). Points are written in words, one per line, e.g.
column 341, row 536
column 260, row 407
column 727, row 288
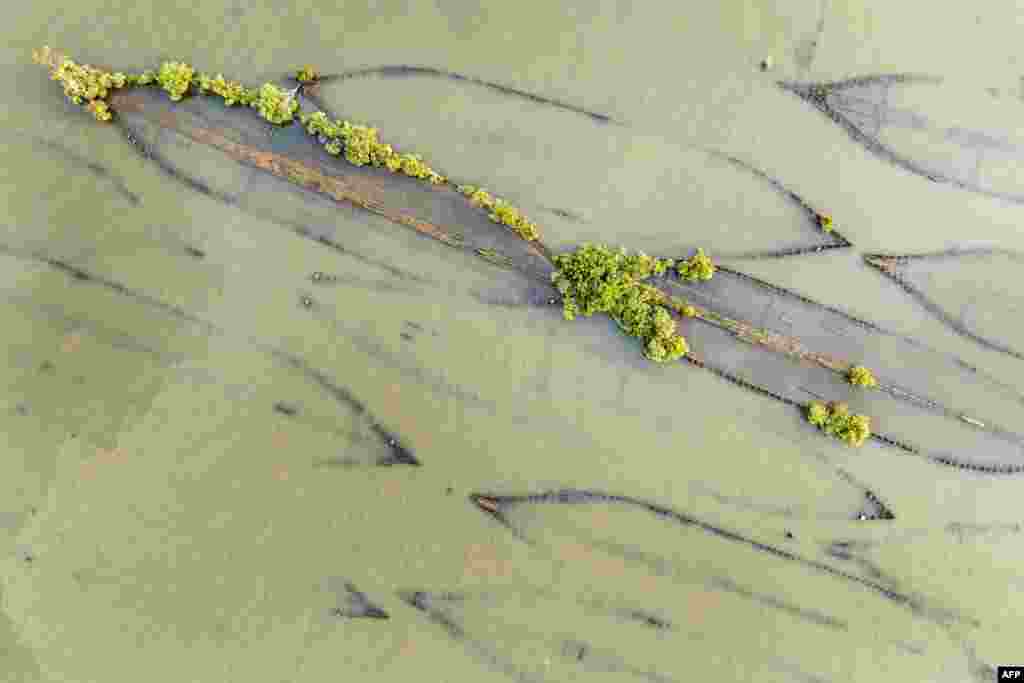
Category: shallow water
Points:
column 209, row 453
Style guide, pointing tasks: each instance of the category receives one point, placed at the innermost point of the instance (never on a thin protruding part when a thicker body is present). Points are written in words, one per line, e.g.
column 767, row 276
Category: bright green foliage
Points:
column 145, row 78
column 83, row 84
column 362, row 147
column 232, row 92
column 595, row 279
column 175, row 78
column 825, row 222
column 697, row 267
column 860, row 376
column 835, row 420
column 274, row 104
column 501, row 212
column 307, row 74
column 100, row 109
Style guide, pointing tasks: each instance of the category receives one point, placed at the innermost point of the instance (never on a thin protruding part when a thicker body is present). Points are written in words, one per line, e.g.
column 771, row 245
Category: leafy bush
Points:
column 595, row 279
column 307, row 74
column 697, row 267
column 836, row 420
column 361, row 147
column 232, row 92
column 860, row 376
column 83, row 84
column 275, row 105
column 175, row 78
column 501, row 212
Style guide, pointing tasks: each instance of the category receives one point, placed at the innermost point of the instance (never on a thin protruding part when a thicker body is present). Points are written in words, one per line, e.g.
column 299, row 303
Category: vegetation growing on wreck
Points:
column 595, row 279
column 307, row 74
column 232, row 92
column 501, row 212
column 697, row 267
column 83, row 84
column 91, row 86
column 834, row 418
column 860, row 376
column 361, row 147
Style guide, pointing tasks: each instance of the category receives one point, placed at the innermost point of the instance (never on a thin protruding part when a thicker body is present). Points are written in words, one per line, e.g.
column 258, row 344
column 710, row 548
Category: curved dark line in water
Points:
column 936, row 310
column 494, row 505
column 97, row 169
column 817, row 95
column 359, row 605
column 811, row 213
column 954, row 252
column 422, row 602
column 781, row 253
column 884, row 512
column 811, row 615
column 407, row 71
column 400, row 454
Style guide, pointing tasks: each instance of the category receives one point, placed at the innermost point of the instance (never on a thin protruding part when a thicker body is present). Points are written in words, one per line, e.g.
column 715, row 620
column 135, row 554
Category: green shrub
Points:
column 275, row 105
column 595, row 279
column 83, row 84
column 175, row 78
column 501, row 212
column 697, row 267
column 232, row 92
column 307, row 74
column 836, row 420
column 860, row 376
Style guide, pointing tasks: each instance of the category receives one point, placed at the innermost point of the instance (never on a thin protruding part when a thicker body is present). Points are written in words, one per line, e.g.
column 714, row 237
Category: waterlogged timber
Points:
column 290, row 155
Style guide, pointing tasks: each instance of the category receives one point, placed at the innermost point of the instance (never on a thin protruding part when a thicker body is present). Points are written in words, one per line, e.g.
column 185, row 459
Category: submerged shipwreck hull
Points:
column 753, row 334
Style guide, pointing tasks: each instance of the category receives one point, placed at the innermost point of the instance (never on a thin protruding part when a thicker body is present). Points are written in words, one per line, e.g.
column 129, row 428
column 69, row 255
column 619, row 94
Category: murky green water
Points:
column 193, row 466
